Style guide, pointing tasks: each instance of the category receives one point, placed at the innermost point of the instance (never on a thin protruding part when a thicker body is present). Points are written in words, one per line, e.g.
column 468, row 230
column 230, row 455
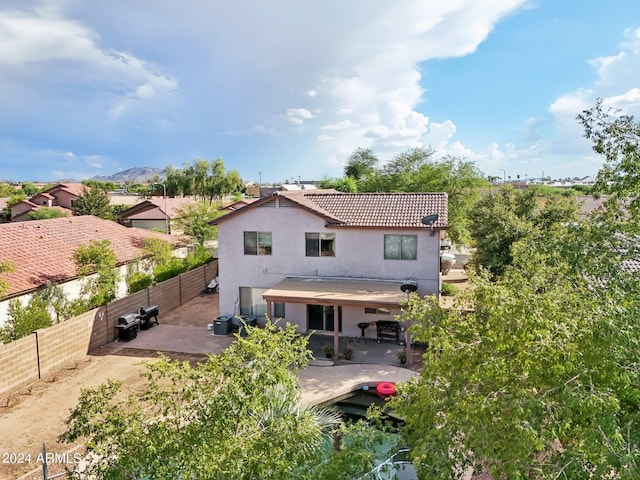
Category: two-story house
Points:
column 60, row 196
column 328, row 261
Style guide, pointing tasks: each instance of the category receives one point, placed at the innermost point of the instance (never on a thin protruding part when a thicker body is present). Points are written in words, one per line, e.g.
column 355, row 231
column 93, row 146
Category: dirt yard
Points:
column 36, row 414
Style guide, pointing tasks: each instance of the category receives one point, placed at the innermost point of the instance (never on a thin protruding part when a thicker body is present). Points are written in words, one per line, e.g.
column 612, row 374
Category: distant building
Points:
column 59, row 196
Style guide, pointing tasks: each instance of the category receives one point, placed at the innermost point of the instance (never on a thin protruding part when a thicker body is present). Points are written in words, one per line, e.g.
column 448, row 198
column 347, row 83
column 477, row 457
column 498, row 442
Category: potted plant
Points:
column 328, row 350
column 402, row 356
column 347, row 352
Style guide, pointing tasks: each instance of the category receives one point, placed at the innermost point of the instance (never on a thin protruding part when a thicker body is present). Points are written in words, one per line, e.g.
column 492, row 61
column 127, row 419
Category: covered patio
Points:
column 336, row 293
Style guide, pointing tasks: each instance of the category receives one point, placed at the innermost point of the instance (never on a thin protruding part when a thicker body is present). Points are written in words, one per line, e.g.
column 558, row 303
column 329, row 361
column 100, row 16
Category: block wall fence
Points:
column 35, row 356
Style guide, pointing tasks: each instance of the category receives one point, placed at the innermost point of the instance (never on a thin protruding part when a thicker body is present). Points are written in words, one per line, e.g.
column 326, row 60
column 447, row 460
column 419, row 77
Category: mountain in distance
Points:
column 135, row 175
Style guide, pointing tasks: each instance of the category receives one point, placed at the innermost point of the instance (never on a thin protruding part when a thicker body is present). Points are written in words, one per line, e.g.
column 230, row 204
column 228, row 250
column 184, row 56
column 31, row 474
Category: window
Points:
column 320, row 244
column 376, row 311
column 400, row 247
column 257, row 243
column 321, row 317
column 252, row 303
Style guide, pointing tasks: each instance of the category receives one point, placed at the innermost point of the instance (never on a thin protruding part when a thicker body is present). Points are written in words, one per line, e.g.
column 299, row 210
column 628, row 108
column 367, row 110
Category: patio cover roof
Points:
column 323, row 291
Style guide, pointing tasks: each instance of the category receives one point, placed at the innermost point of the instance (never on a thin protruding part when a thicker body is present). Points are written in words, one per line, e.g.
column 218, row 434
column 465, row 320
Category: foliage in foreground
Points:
column 235, row 416
column 541, row 379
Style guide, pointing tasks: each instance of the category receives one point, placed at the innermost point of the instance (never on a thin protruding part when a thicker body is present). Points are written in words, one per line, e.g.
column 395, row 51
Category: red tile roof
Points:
column 365, row 210
column 73, row 188
column 41, row 250
column 153, row 209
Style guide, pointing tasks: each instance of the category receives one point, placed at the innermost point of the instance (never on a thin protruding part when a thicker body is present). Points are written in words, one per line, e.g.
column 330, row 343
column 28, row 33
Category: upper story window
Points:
column 257, row 243
column 400, row 247
column 320, row 244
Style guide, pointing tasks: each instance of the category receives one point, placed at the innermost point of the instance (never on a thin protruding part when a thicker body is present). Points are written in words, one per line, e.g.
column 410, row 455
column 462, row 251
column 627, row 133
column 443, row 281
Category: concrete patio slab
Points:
column 320, row 385
column 179, row 339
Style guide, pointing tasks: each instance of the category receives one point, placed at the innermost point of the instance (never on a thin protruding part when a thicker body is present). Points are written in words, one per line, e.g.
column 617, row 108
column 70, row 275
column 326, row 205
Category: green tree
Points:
column 415, row 170
column 96, row 263
column 617, row 138
column 44, row 213
column 361, row 164
column 346, row 184
column 93, row 201
column 239, row 411
column 204, row 179
column 504, row 215
column 6, row 190
column 29, row 189
column 104, row 186
column 193, row 219
column 22, row 320
column 535, row 374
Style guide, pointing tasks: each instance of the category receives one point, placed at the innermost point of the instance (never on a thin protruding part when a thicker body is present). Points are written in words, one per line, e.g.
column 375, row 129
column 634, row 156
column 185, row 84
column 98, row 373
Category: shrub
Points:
column 449, row 289
column 138, row 281
column 25, row 319
column 172, row 268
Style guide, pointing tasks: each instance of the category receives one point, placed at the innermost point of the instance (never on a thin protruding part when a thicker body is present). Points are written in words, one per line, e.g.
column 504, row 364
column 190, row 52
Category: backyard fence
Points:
column 35, row 356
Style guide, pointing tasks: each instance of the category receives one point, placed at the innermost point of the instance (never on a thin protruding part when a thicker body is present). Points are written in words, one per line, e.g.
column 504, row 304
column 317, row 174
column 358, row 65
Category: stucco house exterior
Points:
column 327, row 261
column 154, row 213
column 60, row 196
column 41, row 252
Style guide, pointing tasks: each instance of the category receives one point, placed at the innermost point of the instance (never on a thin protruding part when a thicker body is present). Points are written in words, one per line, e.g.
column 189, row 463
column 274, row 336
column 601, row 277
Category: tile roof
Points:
column 41, row 250
column 153, row 209
column 73, row 188
column 365, row 210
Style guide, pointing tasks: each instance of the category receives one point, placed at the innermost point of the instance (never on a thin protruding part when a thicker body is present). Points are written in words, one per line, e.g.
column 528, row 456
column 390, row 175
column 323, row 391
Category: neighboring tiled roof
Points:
column 73, row 188
column 365, row 210
column 153, row 208
column 41, row 250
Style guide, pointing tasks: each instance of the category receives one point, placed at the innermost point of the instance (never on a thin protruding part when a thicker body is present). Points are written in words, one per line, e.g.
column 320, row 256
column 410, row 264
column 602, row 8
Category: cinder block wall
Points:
column 47, row 349
column 19, row 362
column 64, row 342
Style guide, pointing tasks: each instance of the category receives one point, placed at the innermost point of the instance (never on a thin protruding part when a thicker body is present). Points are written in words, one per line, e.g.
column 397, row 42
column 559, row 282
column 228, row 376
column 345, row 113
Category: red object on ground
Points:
column 386, row 389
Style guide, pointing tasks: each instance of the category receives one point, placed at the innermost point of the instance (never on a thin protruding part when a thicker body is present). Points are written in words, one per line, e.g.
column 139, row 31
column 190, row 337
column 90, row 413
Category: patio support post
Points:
column 336, row 332
column 268, row 312
column 408, row 340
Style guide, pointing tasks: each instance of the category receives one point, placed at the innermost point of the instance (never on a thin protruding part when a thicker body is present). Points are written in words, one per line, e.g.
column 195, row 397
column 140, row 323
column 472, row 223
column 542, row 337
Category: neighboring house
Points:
column 239, row 204
column 327, row 261
column 155, row 213
column 41, row 252
column 60, row 195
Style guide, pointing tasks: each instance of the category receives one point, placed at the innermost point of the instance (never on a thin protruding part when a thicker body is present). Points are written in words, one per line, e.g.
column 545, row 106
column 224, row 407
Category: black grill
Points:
column 388, row 329
column 127, row 326
column 146, row 314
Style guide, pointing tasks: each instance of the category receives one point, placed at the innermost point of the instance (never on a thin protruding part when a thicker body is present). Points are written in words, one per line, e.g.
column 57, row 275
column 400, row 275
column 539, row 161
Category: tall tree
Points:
column 93, row 201
column 534, row 375
column 504, row 215
column 617, row 138
column 204, row 179
column 360, row 164
column 415, row 170
column 193, row 219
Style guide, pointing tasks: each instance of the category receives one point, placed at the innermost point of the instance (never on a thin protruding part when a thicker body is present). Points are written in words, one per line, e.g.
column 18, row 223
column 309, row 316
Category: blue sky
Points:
column 287, row 89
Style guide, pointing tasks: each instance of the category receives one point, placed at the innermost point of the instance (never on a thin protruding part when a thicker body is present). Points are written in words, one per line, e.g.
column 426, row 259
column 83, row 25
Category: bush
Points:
column 172, row 268
column 138, row 281
column 25, row 319
column 448, row 289
column 198, row 257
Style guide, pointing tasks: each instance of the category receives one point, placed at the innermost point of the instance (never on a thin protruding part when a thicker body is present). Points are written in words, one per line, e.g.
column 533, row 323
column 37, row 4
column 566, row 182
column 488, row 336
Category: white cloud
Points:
column 42, row 45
